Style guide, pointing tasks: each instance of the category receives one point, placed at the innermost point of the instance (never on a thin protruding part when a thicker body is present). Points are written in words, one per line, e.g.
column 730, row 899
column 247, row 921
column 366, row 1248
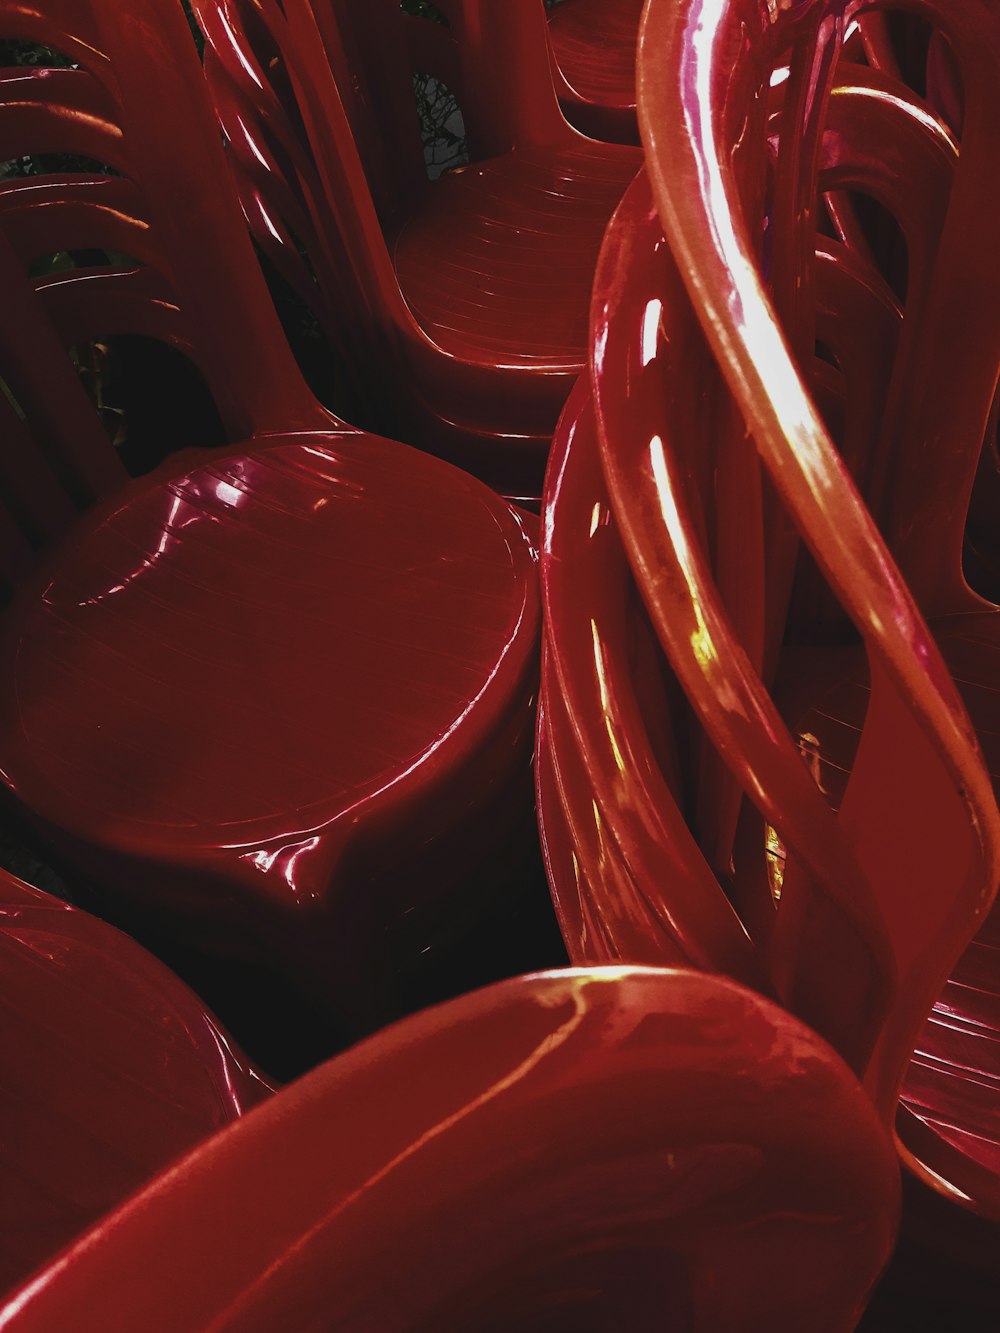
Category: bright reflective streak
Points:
column 235, row 46
column 749, row 314
column 267, row 221
column 228, row 494
column 928, row 122
column 650, row 329
column 248, row 139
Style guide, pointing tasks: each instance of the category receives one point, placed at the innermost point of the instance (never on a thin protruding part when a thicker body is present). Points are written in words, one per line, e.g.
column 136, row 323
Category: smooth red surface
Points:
column 709, row 553
column 622, row 1148
column 459, row 304
column 594, row 43
column 613, row 736
column 919, row 822
column 278, row 694
column 111, row 1069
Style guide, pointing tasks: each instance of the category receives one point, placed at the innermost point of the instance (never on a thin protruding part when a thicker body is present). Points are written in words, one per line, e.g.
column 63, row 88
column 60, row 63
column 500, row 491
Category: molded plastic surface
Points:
column 621, row 1148
column 594, row 45
column 111, row 1069
column 279, row 694
column 918, row 812
column 460, row 303
column 921, row 812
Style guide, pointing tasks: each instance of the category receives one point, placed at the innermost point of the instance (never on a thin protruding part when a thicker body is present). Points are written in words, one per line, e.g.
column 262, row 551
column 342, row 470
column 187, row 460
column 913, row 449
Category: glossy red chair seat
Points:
column 492, row 229
column 622, row 1147
column 278, row 696
column 326, row 726
column 111, row 1070
column 594, row 42
column 467, row 295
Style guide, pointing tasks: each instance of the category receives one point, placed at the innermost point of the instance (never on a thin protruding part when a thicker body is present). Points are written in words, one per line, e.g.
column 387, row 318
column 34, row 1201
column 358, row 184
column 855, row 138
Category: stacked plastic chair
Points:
column 816, row 821
column 274, row 698
column 463, row 299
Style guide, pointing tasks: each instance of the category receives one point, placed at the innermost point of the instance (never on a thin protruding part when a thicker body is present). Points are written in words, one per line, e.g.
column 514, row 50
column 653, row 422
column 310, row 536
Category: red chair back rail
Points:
column 635, row 1147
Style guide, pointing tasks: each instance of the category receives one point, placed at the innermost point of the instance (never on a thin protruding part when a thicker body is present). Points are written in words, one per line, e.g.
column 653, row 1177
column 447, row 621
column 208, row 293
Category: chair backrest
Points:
column 495, row 58
column 144, row 219
column 317, row 101
column 653, row 892
column 918, row 824
column 844, row 129
column 641, row 1149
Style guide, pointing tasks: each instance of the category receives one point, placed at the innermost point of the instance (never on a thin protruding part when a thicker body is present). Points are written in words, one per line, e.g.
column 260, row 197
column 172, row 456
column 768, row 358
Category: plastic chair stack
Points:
column 799, row 798
column 274, row 698
column 464, row 299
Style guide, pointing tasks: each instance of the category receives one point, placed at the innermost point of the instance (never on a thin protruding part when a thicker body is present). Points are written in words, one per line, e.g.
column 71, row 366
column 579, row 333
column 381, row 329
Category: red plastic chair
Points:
column 685, row 490
column 920, row 813
column 610, row 732
column 619, row 1148
column 278, row 696
column 460, row 302
column 111, row 1069
column 593, row 43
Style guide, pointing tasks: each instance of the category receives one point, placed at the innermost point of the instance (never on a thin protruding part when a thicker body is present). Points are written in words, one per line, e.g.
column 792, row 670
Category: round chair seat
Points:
column 246, row 669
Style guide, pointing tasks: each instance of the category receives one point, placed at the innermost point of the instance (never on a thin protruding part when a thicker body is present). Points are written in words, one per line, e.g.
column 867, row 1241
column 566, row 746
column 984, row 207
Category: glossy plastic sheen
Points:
column 111, row 1069
column 280, row 693
column 593, row 42
column 620, row 1148
column 460, row 304
column 594, row 655
column 918, row 810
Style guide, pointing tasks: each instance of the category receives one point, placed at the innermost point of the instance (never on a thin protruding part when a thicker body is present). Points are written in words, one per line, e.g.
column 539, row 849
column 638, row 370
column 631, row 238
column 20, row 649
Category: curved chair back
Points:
column 144, row 223
column 318, row 104
column 709, row 74
column 618, row 1148
column 918, row 824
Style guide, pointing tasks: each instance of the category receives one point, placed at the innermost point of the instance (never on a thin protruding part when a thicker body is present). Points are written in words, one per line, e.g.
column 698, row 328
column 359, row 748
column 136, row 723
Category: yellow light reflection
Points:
column 602, row 685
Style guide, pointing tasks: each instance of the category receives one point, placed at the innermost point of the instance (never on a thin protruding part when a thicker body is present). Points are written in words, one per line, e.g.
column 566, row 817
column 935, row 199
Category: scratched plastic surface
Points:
column 594, row 44
column 278, row 694
column 620, row 1149
column 111, row 1069
column 460, row 304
